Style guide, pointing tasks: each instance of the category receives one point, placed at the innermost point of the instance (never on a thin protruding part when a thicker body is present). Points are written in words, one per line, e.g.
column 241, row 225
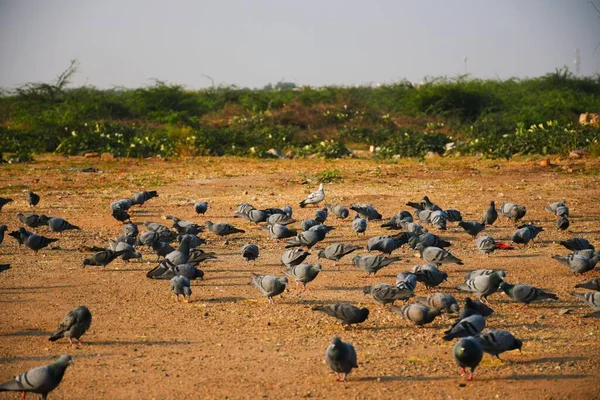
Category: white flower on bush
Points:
column 73, row 133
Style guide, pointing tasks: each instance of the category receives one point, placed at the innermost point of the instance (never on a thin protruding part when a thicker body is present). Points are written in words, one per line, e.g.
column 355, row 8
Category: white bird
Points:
column 314, row 197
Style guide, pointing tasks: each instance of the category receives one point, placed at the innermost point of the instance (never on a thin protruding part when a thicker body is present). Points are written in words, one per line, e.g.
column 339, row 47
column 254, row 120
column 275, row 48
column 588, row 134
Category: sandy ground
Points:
column 229, row 343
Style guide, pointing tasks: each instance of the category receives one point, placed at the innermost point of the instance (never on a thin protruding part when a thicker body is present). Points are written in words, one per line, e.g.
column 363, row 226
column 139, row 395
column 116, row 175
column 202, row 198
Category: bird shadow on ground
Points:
column 128, row 270
column 45, row 358
column 520, row 256
column 225, row 284
column 534, row 325
column 216, row 271
column 540, row 377
column 224, row 300
column 343, row 288
column 550, row 360
column 141, row 343
column 37, row 287
column 401, row 378
column 28, row 332
column 246, row 277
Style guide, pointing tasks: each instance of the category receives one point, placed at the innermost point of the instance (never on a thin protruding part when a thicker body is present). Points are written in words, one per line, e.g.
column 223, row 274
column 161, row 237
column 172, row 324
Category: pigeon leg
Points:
column 70, row 341
column 470, row 377
column 23, row 394
column 524, row 307
column 271, row 300
column 304, row 288
column 177, row 298
column 462, row 371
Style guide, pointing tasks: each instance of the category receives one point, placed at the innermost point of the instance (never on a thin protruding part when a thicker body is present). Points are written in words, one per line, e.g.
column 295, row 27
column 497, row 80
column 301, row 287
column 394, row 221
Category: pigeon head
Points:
column 87, row 261
column 284, row 280
column 22, row 230
column 318, row 267
column 518, row 344
column 321, row 254
column 454, row 308
column 364, row 312
column 65, row 359
column 366, row 290
column 492, row 203
column 506, row 287
column 336, row 342
column 412, row 242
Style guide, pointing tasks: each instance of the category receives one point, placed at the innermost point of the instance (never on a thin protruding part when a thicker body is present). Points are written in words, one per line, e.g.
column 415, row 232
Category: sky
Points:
column 251, row 43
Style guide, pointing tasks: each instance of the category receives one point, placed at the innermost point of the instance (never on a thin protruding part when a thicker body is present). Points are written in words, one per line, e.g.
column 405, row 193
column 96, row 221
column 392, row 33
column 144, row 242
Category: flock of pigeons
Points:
column 181, row 264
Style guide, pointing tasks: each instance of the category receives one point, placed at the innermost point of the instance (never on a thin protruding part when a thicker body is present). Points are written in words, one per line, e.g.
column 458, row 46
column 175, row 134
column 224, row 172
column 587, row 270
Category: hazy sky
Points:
column 252, row 43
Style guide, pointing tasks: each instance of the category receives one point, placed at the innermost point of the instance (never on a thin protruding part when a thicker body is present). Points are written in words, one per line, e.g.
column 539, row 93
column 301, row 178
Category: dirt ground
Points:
column 229, row 343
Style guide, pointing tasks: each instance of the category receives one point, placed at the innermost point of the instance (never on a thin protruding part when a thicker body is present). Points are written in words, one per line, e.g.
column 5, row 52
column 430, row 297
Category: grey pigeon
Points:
column 243, row 208
column 553, row 206
column 40, row 380
column 279, row 232
column 416, row 313
column 336, row 251
column 366, row 210
column 386, row 245
column 254, row 215
column 562, row 223
column 469, row 326
column 126, row 239
column 577, row 263
column 427, row 240
column 131, row 229
column 474, row 307
column 181, row 255
column 308, row 223
column 190, row 271
column 525, row 293
column 514, row 212
column 562, row 212
column 468, row 353
column 482, row 285
column 142, row 197
column 223, row 229
column 437, row 256
column 424, row 204
column 200, row 207
column 439, row 219
column 386, row 294
column 526, row 234
column 490, row 215
column 306, row 238
column 37, row 242
column 593, row 284
column 20, row 235
column 429, row 275
column 197, row 256
column 453, row 215
column 487, row 245
column 339, row 212
column 481, row 272
column 59, row 225
column 281, row 219
column 250, row 252
column 424, row 215
column 73, row 325
column 185, row 227
column 168, row 271
column 129, row 250
column 413, row 227
column 33, row 220
column 321, row 215
column 444, row 302
column 4, row 201
column 294, row 257
column 359, row 225
column 341, row 358
column 496, row 342
column 396, row 220
column 162, row 249
column 180, row 285
column 471, row 227
column 102, row 258
column 577, row 244
column 345, row 312
column 304, row 273
column 123, row 205
column 33, row 199
column 269, row 285
column 195, row 241
column 314, row 198
column 372, row 264
column 406, row 280
column 592, row 299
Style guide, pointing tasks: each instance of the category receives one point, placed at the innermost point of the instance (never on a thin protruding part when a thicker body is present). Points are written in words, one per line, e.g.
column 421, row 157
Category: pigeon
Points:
column 487, row 245
column 481, row 272
column 37, row 242
column 429, row 275
column 74, row 325
column 437, row 256
column 474, row 307
column 359, row 225
column 482, row 285
column 281, row 219
column 562, row 211
column 308, row 223
column 33, row 199
column 526, row 234
column 552, row 207
column 471, row 227
column 155, row 226
column 250, row 252
column 496, row 342
column 321, row 215
column 195, row 241
column 592, row 299
column 142, row 197
column 413, row 227
column 200, row 207
column 197, row 256
column 129, row 250
column 468, row 353
column 577, row 244
column 303, row 273
column 102, row 258
column 269, row 285
column 2, row 230
column 185, row 227
column 148, row 238
column 425, row 204
column 125, row 239
column 372, row 264
column 33, row 220
column 396, row 220
column 254, row 215
column 366, row 210
column 121, row 215
column 168, row 271
column 181, row 255
column 20, row 235
column 223, row 229
column 123, row 205
column 131, row 229
column 60, row 225
column 514, row 212
column 594, row 284
column 294, row 257
column 336, row 251
column 4, row 201
column 243, row 208
column 306, row 238
column 418, row 314
column 340, row 212
column 406, row 280
column 385, row 294
column 562, row 223
column 40, row 380
column 525, row 293
column 279, row 232
column 341, row 358
column 346, row 313
column 453, row 215
column 439, row 219
column 469, row 326
column 490, row 215
column 444, row 302
column 385, row 245
column 180, row 285
column 314, row 198
column 577, row 263
column 424, row 216
column 190, row 271
column 427, row 240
